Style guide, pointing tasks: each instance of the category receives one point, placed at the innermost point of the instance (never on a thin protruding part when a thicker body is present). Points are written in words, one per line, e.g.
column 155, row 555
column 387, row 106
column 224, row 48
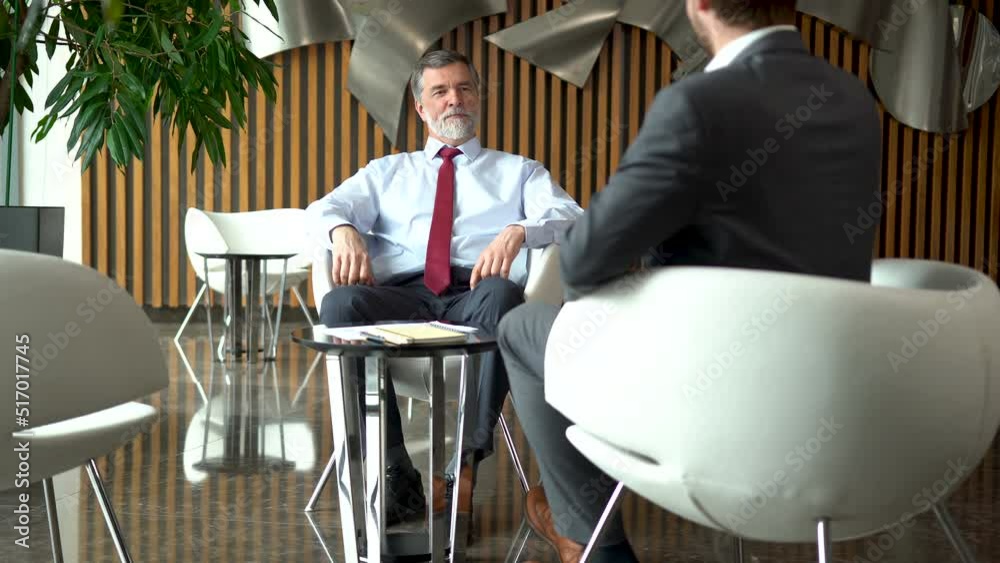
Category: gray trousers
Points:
column 576, row 489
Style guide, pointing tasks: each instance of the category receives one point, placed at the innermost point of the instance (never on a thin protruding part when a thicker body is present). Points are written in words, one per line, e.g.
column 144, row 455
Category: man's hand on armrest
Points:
column 496, row 260
column 351, row 264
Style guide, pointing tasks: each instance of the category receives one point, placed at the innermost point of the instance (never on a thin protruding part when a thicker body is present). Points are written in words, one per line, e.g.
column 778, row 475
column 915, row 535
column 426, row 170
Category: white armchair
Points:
column 277, row 231
column 409, row 375
column 779, row 407
column 87, row 364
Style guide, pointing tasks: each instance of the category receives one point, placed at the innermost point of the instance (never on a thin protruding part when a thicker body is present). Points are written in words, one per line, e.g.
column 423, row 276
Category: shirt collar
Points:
column 471, row 148
column 731, row 50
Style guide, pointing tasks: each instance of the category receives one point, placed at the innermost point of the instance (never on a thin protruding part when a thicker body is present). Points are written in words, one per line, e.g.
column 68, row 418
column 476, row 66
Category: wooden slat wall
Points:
column 316, row 135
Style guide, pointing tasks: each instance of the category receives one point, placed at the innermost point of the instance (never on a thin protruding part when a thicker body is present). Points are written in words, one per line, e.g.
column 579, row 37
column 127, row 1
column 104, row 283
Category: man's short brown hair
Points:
column 755, row 13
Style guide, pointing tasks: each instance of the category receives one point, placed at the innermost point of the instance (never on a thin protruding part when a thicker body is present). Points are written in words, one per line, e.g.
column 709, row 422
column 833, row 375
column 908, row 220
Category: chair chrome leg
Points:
column 613, row 504
column 303, row 306
column 517, row 547
column 194, row 306
column 965, row 553
column 109, row 513
column 738, row 555
column 327, row 471
column 53, row 516
column 509, row 439
column 276, row 332
column 824, row 542
column 305, row 382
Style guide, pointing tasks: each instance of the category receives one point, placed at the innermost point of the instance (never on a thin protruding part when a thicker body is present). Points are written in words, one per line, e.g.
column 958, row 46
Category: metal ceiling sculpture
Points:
column 567, row 41
column 300, row 23
column 939, row 66
column 860, row 18
column 391, row 41
column 930, row 66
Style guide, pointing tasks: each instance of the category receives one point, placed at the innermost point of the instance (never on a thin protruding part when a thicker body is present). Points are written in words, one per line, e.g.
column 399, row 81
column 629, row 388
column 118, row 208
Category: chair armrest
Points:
column 322, row 266
column 544, row 280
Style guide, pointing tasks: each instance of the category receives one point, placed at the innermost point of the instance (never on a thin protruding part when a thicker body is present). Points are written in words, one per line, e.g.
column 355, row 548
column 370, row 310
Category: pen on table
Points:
column 374, row 338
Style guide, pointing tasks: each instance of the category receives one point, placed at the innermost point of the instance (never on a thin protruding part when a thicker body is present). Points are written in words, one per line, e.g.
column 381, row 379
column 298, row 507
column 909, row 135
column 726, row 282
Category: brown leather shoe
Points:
column 442, row 492
column 539, row 515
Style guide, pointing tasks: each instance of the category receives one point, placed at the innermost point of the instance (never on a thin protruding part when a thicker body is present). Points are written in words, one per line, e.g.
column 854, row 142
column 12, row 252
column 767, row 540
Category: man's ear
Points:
column 419, row 107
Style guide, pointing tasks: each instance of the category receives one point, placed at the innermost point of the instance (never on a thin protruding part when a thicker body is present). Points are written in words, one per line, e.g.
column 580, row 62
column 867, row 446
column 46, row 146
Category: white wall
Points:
column 49, row 177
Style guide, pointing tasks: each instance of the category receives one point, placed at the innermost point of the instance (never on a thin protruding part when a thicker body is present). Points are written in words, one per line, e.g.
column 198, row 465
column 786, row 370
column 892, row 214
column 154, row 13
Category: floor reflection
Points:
column 225, row 474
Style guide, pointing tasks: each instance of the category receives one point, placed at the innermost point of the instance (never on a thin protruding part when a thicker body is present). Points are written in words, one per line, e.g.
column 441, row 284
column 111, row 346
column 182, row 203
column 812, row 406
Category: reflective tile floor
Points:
column 194, row 489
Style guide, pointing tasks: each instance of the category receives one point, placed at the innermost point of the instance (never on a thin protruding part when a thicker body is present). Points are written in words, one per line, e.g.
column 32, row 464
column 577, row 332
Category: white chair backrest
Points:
column 719, row 389
column 89, row 346
column 271, row 231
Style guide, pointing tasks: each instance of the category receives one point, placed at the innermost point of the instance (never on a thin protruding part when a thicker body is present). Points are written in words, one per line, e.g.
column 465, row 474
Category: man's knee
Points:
column 344, row 305
column 499, row 293
column 512, row 328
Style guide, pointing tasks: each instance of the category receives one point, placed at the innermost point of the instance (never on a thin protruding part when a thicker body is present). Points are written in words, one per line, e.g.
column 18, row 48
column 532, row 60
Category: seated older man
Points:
column 436, row 234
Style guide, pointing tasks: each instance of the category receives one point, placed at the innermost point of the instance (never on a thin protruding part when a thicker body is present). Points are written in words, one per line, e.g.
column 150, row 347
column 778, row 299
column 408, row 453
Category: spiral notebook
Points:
column 420, row 333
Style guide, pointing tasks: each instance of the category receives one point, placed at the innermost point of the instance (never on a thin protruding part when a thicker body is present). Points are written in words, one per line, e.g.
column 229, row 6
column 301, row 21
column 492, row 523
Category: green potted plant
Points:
column 183, row 61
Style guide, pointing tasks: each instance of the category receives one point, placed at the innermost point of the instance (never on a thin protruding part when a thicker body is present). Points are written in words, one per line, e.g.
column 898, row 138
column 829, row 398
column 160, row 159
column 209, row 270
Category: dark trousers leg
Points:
column 355, row 304
column 483, row 307
column 576, row 489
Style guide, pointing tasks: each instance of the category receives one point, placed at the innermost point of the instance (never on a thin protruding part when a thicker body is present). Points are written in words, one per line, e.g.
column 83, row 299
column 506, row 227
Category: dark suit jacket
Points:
column 761, row 164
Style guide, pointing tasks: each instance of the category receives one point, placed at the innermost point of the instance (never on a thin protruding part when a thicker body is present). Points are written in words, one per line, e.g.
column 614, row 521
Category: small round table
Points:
column 368, row 540
column 243, row 324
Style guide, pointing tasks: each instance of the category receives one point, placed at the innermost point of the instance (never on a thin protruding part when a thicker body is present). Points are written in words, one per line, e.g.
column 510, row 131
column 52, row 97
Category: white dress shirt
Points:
column 391, row 202
column 731, row 50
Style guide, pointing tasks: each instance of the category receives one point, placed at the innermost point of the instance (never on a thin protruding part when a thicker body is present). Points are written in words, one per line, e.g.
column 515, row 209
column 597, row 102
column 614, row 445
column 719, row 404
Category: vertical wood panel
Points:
column 635, row 68
column 121, row 222
column 192, row 201
column 619, row 76
column 328, row 127
column 138, row 233
column 258, row 141
column 173, row 224
column 599, row 145
column 281, row 125
column 102, row 213
column 156, row 214
column 298, row 121
column 906, row 193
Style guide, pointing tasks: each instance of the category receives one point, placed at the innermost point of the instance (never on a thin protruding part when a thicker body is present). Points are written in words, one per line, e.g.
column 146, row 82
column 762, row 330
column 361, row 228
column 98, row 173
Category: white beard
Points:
column 454, row 128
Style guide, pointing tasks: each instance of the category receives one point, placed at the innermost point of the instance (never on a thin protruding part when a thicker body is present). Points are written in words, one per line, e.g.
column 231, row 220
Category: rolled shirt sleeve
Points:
column 354, row 202
column 548, row 209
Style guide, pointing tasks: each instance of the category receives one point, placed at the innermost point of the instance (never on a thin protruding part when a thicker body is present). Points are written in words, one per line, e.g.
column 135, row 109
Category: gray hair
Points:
column 439, row 59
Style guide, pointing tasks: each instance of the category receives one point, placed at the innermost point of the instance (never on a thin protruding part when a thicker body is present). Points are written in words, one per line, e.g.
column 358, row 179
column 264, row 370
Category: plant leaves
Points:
column 169, row 48
column 22, row 100
column 206, row 36
column 115, row 144
column 51, row 37
column 84, row 120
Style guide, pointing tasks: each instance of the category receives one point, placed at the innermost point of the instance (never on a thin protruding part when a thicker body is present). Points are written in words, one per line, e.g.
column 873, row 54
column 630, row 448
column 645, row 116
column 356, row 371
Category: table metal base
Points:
column 360, row 485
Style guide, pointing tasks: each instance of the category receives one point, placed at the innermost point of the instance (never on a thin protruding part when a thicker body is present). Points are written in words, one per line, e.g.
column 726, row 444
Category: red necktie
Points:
column 437, row 269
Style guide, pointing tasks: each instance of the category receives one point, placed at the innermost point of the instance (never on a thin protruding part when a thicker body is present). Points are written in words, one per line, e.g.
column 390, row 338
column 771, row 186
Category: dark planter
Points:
column 32, row 229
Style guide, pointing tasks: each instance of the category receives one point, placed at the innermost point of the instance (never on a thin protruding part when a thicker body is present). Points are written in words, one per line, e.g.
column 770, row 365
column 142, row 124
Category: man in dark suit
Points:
column 760, row 162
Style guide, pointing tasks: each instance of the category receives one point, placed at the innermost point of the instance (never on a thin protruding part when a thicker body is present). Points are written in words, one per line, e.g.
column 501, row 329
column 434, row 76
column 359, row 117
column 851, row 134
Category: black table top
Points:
column 318, row 339
column 246, row 255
